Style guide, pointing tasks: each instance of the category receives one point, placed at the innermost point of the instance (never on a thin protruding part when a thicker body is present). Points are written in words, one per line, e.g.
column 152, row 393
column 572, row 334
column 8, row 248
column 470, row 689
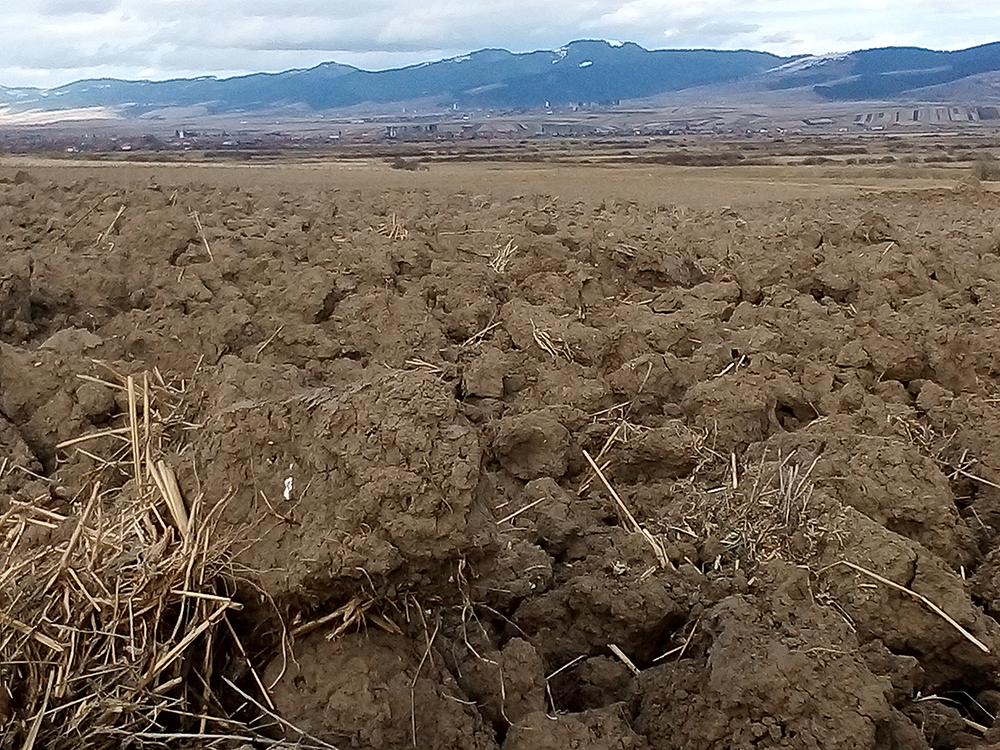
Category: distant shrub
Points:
column 718, row 160
column 986, row 168
column 687, row 159
column 813, row 161
column 679, row 158
column 410, row 165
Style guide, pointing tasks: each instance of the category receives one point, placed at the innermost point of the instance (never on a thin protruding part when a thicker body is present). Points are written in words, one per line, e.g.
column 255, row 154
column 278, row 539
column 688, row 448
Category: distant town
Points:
column 577, row 121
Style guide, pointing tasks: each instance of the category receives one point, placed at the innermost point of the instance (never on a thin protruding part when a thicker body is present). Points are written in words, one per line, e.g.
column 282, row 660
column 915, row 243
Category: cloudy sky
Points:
column 51, row 42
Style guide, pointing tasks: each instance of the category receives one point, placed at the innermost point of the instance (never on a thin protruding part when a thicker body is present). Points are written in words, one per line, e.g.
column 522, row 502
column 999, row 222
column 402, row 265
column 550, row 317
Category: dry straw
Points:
column 393, row 229
column 503, row 256
column 920, row 598
column 554, row 347
column 761, row 511
column 110, row 614
column 111, row 227
column 634, row 526
column 201, row 233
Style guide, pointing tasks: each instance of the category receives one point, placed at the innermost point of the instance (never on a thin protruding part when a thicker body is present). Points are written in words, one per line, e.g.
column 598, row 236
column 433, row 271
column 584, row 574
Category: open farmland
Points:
column 493, row 454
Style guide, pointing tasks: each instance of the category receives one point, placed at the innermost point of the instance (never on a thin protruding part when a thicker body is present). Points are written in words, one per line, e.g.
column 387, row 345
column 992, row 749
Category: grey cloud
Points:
column 227, row 11
column 385, row 27
column 69, row 7
column 782, row 37
column 855, row 38
column 727, row 28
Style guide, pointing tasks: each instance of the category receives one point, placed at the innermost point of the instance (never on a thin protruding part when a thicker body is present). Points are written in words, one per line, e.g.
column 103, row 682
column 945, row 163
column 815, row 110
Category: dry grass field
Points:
column 583, row 450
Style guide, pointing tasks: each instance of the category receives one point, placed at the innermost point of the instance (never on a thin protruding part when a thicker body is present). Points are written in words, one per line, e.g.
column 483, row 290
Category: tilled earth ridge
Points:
column 799, row 405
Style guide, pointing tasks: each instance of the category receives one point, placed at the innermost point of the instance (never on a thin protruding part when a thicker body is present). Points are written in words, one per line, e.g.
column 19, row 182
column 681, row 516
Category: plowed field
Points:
column 490, row 457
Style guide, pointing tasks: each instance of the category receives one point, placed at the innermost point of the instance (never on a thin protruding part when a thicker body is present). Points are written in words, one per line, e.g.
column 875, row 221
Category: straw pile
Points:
column 114, row 618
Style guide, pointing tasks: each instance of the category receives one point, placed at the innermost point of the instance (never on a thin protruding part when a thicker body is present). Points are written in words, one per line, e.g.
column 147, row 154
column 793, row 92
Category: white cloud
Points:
column 48, row 42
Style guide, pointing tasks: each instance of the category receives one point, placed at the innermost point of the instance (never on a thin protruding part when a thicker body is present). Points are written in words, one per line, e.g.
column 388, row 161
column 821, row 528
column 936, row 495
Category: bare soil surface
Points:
column 789, row 382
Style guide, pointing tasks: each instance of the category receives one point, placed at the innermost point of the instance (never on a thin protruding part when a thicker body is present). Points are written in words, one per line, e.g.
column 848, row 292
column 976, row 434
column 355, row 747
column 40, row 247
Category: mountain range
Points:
column 581, row 72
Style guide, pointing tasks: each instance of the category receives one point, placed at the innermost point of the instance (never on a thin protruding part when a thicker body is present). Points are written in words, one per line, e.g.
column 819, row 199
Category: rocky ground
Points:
column 794, row 538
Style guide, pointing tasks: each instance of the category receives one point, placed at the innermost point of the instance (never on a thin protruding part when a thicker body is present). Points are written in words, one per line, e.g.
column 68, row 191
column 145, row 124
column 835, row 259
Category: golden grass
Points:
column 106, row 628
column 114, row 616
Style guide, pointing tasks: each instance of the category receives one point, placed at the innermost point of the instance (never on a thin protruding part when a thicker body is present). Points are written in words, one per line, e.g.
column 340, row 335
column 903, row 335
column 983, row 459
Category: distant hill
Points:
column 583, row 71
column 886, row 73
column 13, row 96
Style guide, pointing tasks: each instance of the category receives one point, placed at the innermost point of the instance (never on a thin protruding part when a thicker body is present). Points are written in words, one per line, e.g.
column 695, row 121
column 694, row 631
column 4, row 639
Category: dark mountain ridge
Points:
column 583, row 71
column 588, row 71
